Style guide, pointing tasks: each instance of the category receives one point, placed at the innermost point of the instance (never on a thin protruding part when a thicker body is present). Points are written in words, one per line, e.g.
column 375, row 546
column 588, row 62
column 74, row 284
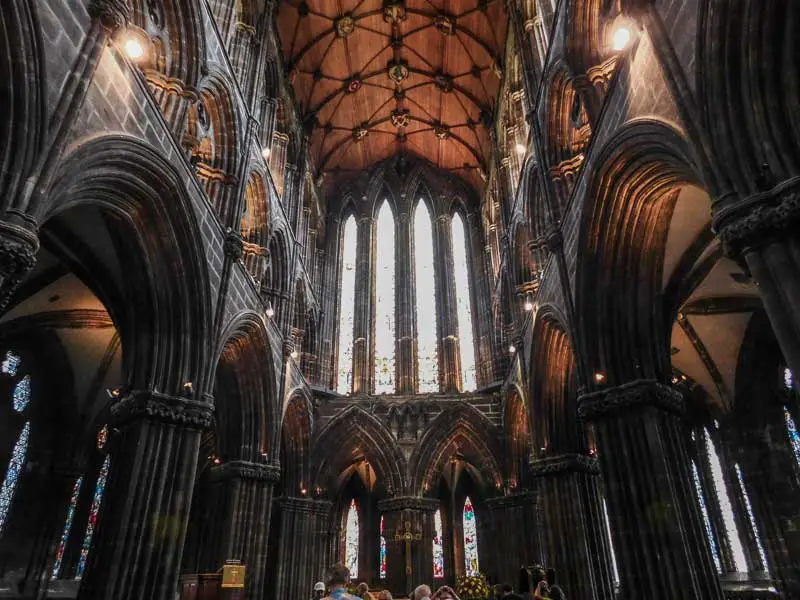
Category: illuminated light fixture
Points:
column 134, row 48
column 303, row 491
column 264, row 454
column 265, row 153
column 521, row 148
column 528, row 306
column 270, row 312
column 599, row 377
column 294, row 354
column 216, row 460
column 621, row 38
column 512, row 349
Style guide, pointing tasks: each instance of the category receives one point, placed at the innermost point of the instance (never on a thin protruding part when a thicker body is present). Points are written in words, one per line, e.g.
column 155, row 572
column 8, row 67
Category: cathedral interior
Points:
column 430, row 288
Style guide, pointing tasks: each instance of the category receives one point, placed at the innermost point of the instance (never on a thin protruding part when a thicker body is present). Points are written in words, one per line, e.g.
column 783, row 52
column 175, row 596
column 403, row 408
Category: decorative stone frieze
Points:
column 564, row 463
column 150, row 405
column 241, row 469
column 630, row 396
column 408, row 503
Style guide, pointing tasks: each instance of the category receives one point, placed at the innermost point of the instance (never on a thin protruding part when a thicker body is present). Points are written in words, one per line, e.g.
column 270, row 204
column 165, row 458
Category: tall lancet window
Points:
column 94, row 511
column 438, row 547
column 383, row 552
column 425, row 284
column 384, row 301
column 9, row 486
column 470, row 539
column 351, row 540
column 464, row 310
column 347, row 300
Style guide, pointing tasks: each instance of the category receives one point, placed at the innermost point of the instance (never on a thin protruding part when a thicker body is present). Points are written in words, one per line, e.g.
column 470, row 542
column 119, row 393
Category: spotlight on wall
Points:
column 621, row 38
column 270, row 312
column 265, row 153
column 521, row 148
column 188, row 388
column 528, row 305
column 114, row 394
column 303, row 491
column 133, row 48
column 599, row 377
column 512, row 349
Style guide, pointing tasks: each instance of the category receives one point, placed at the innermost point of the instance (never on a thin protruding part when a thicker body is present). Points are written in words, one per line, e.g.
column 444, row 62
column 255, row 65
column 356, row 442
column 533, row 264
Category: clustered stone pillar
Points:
column 247, row 498
column 512, row 530
column 362, row 319
column 574, row 540
column 139, row 542
column 416, row 516
column 642, row 443
column 406, row 348
column 303, row 545
column 450, row 361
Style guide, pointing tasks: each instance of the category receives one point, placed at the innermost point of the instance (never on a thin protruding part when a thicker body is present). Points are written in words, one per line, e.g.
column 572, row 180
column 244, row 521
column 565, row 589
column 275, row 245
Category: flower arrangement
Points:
column 473, row 587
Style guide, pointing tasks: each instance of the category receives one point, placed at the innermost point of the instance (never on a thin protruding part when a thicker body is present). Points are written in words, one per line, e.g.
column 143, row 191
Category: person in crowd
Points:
column 319, row 591
column 337, row 582
column 362, row 591
column 385, row 595
column 422, row 592
column 445, row 593
column 542, row 591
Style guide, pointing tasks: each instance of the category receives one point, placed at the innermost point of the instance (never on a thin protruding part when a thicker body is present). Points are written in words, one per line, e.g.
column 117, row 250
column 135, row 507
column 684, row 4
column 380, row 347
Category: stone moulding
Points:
column 241, row 469
column 154, row 406
column 408, row 503
column 564, row 463
column 630, row 396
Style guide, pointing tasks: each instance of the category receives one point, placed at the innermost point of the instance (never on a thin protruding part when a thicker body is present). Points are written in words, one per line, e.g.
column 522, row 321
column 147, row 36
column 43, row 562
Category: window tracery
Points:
column 347, row 300
column 464, row 310
column 10, row 364
column 384, row 302
column 15, row 466
column 470, row 539
column 351, row 540
column 701, row 501
column 22, row 394
column 425, row 286
column 438, row 547
column 62, row 543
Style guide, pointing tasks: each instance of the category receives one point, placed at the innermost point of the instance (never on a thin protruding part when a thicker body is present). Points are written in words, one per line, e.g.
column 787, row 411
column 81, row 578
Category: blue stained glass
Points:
column 22, row 394
column 701, row 500
column 62, row 544
column 751, row 517
column 383, row 553
column 794, row 436
column 102, row 437
column 15, row 466
column 438, row 548
column 788, row 380
column 384, row 302
column 470, row 539
column 351, row 540
column 425, row 288
column 97, row 501
column 466, row 343
column 347, row 300
column 10, row 364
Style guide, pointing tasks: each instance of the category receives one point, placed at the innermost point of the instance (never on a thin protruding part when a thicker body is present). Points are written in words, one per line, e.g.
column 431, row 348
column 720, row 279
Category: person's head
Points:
column 498, row 590
column 507, row 589
column 385, row 595
column 422, row 591
column 319, row 589
column 362, row 589
column 339, row 576
column 556, row 593
column 445, row 593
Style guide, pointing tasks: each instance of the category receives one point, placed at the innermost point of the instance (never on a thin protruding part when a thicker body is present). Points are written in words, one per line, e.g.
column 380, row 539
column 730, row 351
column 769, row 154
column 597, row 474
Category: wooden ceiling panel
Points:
column 385, row 76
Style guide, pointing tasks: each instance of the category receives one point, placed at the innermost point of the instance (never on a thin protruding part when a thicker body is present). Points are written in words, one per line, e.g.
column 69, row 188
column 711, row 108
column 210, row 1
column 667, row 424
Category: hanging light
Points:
column 294, row 354
column 270, row 312
column 528, row 304
column 265, row 153
column 599, row 377
column 512, row 348
column 521, row 148
column 133, row 48
column 621, row 38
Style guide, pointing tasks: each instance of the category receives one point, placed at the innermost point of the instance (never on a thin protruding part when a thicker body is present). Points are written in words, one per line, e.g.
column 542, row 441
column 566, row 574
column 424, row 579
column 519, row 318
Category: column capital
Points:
column 512, row 500
column 630, row 396
column 413, row 503
column 113, row 14
column 563, row 464
column 154, row 406
column 305, row 505
column 742, row 224
column 242, row 469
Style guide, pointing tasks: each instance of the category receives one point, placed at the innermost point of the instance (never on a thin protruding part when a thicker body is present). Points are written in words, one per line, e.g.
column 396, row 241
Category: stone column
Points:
column 574, row 540
column 240, row 49
column 642, row 442
column 277, row 161
column 18, row 249
column 406, row 358
column 269, row 111
column 513, row 534
column 450, row 358
column 762, row 230
column 246, row 490
column 139, row 541
column 769, row 471
column 362, row 326
column 303, row 544
column 418, row 514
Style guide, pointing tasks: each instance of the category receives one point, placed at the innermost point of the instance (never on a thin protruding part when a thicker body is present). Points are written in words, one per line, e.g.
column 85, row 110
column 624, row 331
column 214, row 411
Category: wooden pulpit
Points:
column 225, row 584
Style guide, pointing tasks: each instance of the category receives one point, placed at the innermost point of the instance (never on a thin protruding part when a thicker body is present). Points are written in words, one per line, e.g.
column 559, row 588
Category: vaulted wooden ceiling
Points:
column 378, row 77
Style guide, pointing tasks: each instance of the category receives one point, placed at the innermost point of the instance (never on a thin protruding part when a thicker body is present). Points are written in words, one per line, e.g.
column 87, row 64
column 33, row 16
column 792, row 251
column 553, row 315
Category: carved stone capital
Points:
column 563, row 464
column 154, row 406
column 241, row 469
column 113, row 14
column 759, row 219
column 18, row 248
column 630, row 396
column 408, row 503
column 305, row 505
column 233, row 245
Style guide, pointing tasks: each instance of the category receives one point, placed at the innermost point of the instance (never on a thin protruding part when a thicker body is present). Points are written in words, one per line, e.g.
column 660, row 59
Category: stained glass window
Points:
column 10, row 364
column 726, row 509
column 62, row 543
column 15, row 467
column 351, row 540
column 347, row 307
column 614, row 569
column 102, row 437
column 438, row 548
column 97, row 501
column 470, row 539
column 22, row 393
column 464, row 311
column 425, row 285
column 701, row 500
column 384, row 302
column 788, row 380
column 751, row 518
column 383, row 553
column 794, row 436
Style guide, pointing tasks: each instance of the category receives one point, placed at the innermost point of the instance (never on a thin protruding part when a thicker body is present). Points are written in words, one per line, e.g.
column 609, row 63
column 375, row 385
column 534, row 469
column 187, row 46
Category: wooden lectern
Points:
column 225, row 584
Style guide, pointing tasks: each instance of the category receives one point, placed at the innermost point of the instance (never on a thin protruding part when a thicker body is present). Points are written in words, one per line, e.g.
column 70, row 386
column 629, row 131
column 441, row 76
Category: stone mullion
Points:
column 138, row 545
column 239, row 52
column 449, row 357
column 406, row 359
column 269, row 111
column 769, row 473
column 662, row 554
column 362, row 326
column 329, row 303
column 481, row 294
column 571, row 509
column 277, row 162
